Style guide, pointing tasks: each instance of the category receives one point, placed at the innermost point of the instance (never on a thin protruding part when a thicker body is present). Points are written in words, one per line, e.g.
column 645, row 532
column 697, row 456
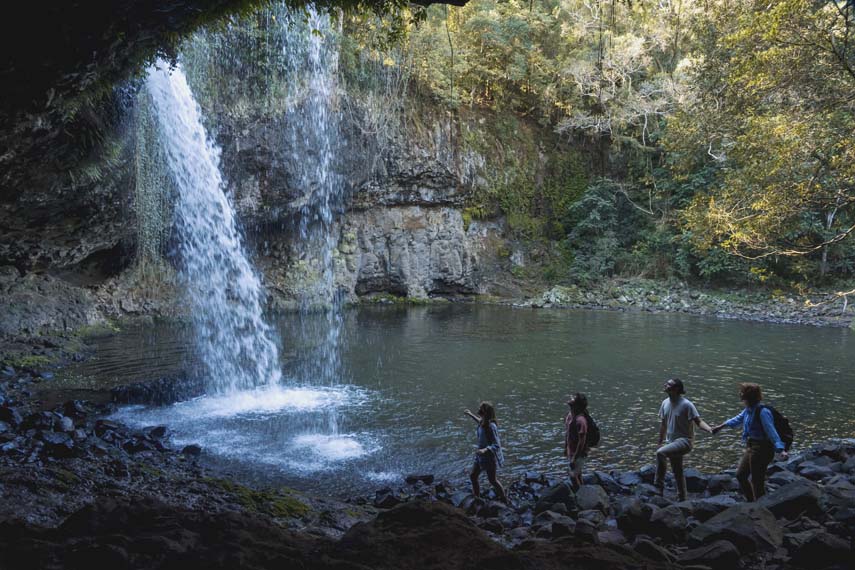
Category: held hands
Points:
column 717, row 429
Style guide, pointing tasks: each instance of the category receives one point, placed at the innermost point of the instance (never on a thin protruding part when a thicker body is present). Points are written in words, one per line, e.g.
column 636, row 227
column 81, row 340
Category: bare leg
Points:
column 500, row 491
column 473, row 477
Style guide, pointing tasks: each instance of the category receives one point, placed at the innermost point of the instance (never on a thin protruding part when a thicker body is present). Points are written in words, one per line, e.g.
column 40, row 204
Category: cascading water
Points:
column 313, row 137
column 237, row 347
column 251, row 414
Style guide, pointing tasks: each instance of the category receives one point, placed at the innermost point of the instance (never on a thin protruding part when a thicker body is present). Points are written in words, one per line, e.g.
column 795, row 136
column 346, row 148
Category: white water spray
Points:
column 314, row 136
column 237, row 347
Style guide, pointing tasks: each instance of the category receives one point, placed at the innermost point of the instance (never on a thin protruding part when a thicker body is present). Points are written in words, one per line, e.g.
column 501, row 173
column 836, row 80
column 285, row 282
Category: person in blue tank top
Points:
column 489, row 455
column 761, row 441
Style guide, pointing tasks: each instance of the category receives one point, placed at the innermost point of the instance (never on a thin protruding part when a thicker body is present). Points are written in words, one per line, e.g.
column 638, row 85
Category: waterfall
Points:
column 313, row 135
column 237, row 347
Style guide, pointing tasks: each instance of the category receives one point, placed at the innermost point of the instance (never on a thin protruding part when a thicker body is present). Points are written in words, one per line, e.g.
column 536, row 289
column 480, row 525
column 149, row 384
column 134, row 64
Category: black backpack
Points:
column 593, row 439
column 782, row 426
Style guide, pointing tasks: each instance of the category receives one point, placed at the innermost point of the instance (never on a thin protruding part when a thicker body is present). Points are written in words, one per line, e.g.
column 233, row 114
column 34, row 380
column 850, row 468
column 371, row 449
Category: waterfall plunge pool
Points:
column 409, row 371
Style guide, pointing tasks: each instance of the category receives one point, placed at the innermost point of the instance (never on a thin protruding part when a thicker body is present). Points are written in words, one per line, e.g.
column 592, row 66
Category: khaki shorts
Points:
column 576, row 467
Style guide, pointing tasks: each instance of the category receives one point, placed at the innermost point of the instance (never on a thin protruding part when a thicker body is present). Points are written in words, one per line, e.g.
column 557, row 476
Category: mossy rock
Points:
column 279, row 503
column 29, row 361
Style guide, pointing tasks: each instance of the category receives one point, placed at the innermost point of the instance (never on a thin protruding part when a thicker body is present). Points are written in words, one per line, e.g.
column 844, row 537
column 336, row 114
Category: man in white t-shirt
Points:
column 679, row 417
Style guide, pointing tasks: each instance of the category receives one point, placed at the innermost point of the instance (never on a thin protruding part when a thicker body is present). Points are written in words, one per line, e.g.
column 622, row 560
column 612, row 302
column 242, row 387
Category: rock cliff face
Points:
column 402, row 232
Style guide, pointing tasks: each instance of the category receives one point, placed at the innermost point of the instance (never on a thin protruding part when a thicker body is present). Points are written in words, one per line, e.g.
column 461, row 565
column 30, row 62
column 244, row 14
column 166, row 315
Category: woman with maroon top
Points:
column 576, row 437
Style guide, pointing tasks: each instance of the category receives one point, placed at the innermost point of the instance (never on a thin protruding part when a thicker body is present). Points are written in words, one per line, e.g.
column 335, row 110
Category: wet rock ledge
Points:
column 80, row 491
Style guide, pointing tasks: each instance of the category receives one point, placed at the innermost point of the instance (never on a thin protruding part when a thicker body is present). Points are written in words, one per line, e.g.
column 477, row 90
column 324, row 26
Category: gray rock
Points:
column 58, row 444
column 633, row 515
column 192, row 450
column 719, row 555
column 597, row 518
column 696, row 482
column 782, row 478
column 750, row 527
column 611, row 536
column 607, row 482
column 493, row 525
column 793, row 499
column 10, row 416
column 647, row 474
column 64, row 424
column 652, row 551
column 721, row 483
column 629, row 479
column 561, row 492
column 821, row 549
column 707, row 508
column 669, row 524
column 592, row 497
column 386, row 499
column 413, row 479
column 586, row 532
column 562, row 528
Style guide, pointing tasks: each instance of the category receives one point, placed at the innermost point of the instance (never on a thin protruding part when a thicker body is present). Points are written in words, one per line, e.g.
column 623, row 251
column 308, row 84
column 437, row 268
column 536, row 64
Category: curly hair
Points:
column 750, row 392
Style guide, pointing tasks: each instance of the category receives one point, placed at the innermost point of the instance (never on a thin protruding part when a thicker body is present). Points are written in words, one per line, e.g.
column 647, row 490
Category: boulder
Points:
column 562, row 528
column 597, row 518
column 696, row 482
column 592, row 497
column 652, row 551
column 607, row 482
column 493, row 525
column 64, row 424
column 156, row 432
column 386, row 499
column 707, row 508
column 413, row 479
column 669, row 524
column 533, row 477
column 815, row 471
column 718, row 555
column 821, row 549
column 647, row 474
column 633, row 515
column 193, row 450
column 749, row 526
column 58, row 444
column 782, row 478
column 561, row 492
column 720, row 483
column 74, row 409
column 586, row 533
column 793, row 499
column 10, row 416
column 629, row 479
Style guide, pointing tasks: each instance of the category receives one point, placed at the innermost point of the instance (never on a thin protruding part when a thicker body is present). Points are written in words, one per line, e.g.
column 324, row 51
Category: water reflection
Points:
column 413, row 370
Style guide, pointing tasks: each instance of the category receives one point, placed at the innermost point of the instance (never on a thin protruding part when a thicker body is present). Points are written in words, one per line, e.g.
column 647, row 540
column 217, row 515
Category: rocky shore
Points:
column 81, row 491
column 817, row 309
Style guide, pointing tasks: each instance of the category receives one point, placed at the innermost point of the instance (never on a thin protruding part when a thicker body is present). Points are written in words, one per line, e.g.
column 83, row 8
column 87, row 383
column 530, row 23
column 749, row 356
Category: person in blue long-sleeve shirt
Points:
column 761, row 441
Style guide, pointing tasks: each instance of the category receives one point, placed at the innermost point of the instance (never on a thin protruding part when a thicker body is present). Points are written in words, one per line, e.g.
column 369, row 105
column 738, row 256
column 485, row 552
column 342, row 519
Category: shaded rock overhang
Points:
column 61, row 61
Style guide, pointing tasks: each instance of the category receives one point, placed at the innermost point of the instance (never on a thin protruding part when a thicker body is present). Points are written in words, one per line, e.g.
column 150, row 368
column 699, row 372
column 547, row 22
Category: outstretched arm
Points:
column 471, row 415
column 732, row 422
column 703, row 425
